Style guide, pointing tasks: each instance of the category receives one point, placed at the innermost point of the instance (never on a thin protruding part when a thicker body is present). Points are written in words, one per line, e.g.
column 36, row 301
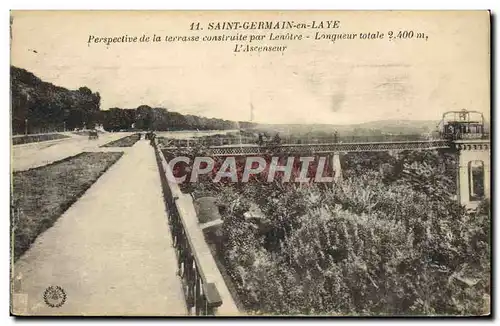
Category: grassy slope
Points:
column 36, row 138
column 128, row 141
column 41, row 195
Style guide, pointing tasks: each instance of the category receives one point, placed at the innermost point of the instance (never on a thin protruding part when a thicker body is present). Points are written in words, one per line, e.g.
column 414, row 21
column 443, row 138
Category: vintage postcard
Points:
column 248, row 163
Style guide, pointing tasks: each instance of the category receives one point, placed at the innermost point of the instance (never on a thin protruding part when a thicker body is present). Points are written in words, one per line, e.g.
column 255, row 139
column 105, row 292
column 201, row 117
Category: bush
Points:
column 389, row 239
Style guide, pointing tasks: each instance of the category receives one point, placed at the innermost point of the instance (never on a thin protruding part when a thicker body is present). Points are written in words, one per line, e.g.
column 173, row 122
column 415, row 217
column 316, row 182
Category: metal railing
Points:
column 290, row 140
column 326, row 148
column 207, row 142
column 193, row 255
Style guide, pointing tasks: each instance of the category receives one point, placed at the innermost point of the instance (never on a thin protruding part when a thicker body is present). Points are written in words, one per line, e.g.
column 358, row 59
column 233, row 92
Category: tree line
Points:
column 154, row 118
column 39, row 106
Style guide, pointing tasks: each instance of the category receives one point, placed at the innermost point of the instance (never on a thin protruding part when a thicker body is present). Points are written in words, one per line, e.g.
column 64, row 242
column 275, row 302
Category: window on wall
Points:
column 476, row 180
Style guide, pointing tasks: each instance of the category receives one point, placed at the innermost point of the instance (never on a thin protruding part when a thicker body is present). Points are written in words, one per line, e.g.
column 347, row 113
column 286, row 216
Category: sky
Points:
column 313, row 81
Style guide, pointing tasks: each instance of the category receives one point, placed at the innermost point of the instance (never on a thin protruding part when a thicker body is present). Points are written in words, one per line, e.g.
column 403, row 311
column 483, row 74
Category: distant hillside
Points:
column 405, row 127
column 401, row 126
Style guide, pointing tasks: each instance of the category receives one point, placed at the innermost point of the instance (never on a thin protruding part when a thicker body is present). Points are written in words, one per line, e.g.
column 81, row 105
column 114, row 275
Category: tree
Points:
column 47, row 107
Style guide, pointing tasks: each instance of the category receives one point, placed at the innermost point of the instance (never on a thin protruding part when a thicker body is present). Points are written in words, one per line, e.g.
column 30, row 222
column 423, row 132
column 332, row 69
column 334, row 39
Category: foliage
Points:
column 38, row 106
column 148, row 118
column 116, row 119
column 389, row 239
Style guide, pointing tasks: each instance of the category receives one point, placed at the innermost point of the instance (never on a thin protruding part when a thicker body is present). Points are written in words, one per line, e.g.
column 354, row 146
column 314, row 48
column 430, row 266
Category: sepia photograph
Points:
column 250, row 163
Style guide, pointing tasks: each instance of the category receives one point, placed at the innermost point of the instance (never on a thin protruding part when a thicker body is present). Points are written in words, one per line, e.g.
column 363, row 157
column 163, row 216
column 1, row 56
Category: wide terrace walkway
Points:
column 111, row 251
column 32, row 155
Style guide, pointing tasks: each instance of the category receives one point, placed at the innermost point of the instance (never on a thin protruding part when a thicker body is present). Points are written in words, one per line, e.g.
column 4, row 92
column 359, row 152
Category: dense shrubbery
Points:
column 388, row 239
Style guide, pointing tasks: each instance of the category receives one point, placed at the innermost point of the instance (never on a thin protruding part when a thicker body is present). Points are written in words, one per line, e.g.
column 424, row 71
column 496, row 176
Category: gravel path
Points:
column 111, row 251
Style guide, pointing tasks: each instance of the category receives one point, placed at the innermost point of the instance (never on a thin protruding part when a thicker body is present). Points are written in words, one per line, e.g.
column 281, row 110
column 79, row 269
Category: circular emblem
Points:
column 54, row 296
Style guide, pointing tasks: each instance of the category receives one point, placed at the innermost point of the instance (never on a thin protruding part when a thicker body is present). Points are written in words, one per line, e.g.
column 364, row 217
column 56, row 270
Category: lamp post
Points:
column 27, row 112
